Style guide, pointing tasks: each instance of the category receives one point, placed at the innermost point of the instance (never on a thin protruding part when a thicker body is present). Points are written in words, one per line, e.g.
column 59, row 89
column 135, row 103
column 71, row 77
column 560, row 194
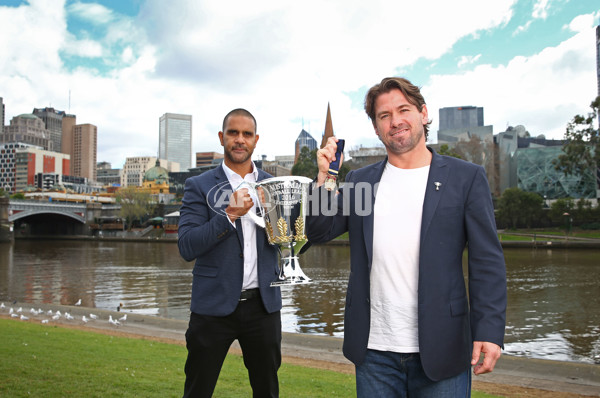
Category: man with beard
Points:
column 410, row 327
column 234, row 266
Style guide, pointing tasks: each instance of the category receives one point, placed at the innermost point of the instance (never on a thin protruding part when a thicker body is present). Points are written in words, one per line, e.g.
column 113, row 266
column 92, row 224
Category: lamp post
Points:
column 568, row 222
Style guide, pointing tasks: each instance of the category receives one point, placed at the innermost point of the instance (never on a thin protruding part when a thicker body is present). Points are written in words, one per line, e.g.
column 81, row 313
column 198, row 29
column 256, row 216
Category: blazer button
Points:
column 241, row 255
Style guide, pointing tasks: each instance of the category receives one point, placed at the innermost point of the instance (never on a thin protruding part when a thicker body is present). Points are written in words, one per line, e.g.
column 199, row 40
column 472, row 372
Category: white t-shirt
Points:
column 395, row 269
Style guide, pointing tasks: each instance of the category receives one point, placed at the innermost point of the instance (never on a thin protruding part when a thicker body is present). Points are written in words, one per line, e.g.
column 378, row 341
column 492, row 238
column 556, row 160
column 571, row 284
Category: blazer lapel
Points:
column 436, row 183
column 373, row 177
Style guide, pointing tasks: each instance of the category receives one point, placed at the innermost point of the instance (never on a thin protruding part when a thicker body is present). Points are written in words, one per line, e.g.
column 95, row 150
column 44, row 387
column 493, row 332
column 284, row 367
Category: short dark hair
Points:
column 239, row 112
column 410, row 91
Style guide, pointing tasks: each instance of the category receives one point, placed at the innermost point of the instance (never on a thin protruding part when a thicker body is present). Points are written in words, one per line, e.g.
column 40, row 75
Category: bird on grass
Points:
column 123, row 318
column 44, row 321
column 92, row 316
column 24, row 318
column 84, row 319
column 78, row 302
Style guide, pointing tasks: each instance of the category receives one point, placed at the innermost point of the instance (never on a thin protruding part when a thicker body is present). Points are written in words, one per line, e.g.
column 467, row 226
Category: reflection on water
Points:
column 553, row 296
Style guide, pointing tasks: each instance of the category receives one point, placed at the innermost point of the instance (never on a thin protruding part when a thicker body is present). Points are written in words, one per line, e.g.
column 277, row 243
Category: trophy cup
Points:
column 284, row 202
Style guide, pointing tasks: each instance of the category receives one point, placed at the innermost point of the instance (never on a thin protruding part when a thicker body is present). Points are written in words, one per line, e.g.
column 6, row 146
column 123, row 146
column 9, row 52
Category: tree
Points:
column 135, row 204
column 582, row 149
column 446, row 150
column 306, row 165
column 517, row 207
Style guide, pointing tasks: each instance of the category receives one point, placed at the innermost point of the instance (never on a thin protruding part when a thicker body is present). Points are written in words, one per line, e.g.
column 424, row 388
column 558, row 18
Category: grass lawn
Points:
column 50, row 361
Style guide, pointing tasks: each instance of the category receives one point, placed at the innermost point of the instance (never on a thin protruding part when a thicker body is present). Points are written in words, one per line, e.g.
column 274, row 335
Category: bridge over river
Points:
column 31, row 217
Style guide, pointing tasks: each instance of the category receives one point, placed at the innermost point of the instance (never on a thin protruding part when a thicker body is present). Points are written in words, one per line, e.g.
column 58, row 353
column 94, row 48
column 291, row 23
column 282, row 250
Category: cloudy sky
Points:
column 126, row 63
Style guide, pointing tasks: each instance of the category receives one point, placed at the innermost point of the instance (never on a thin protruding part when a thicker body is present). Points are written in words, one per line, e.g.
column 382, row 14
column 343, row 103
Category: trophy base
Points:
column 291, row 274
column 291, row 281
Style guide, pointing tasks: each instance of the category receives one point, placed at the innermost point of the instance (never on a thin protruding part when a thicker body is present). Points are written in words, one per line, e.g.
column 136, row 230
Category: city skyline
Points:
column 120, row 65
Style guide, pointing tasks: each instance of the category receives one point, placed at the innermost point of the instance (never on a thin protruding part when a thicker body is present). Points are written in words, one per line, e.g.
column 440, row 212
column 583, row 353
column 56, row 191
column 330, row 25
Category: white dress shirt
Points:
column 248, row 227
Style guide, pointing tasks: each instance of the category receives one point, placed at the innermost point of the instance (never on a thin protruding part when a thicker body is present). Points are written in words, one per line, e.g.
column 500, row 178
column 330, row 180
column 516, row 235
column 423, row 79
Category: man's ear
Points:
column 221, row 138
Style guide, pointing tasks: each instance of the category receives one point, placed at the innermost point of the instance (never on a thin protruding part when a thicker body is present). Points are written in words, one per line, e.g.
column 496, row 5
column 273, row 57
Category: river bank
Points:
column 513, row 376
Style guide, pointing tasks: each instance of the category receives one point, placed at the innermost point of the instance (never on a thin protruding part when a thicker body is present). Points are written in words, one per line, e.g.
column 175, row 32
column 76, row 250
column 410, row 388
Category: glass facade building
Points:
column 175, row 139
column 536, row 173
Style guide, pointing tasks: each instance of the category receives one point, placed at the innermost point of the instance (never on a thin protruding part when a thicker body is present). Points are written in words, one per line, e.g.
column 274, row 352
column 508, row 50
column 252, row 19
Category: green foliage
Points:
column 446, row 150
column 517, row 207
column 18, row 196
column 306, row 165
column 582, row 150
column 135, row 204
column 559, row 207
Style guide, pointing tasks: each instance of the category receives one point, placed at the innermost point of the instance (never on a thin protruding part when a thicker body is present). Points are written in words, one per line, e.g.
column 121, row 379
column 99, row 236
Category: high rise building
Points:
column 28, row 129
column 175, row 139
column 597, row 58
column 53, row 121
column 304, row 140
column 84, row 146
column 8, row 165
column 461, row 123
column 68, row 122
column 2, row 113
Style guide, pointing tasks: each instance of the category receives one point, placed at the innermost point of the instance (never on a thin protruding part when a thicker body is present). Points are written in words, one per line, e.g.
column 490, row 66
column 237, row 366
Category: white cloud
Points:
column 542, row 92
column 91, row 12
column 468, row 60
column 540, row 9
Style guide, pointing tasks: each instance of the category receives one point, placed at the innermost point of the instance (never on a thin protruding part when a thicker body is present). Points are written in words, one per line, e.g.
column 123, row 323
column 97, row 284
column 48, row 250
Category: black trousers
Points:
column 208, row 339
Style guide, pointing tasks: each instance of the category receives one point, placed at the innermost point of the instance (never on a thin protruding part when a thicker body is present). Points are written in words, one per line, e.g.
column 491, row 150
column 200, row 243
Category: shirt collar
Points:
column 232, row 174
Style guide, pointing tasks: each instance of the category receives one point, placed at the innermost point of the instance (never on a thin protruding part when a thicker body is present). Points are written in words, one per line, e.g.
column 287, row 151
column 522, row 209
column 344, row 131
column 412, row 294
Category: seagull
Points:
column 68, row 316
column 14, row 315
column 56, row 317
column 24, row 318
column 58, row 312
column 20, row 309
column 11, row 311
column 78, row 302
column 2, row 306
column 123, row 318
column 112, row 321
column 33, row 311
column 44, row 321
column 93, row 316
column 84, row 319
column 49, row 313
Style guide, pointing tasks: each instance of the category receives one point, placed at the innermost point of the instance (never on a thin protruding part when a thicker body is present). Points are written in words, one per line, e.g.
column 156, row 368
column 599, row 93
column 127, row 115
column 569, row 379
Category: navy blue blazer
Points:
column 207, row 236
column 456, row 215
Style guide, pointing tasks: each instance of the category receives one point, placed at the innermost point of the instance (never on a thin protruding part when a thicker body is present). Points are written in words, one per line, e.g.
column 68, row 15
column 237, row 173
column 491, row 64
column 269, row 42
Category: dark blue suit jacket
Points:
column 207, row 236
column 458, row 215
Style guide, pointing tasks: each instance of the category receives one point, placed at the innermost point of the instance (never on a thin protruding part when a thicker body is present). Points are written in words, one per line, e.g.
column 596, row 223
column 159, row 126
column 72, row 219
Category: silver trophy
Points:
column 283, row 203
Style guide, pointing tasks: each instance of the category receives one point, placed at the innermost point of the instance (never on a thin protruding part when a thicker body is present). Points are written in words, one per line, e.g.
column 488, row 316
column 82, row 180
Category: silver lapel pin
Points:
column 437, row 185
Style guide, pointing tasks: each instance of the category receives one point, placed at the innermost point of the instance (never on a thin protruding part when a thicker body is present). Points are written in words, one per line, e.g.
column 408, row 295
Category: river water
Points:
column 553, row 295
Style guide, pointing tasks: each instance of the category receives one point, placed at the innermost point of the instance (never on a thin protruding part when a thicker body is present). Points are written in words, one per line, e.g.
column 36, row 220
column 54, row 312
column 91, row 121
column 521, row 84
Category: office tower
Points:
column 328, row 128
column 304, row 140
column 2, row 112
column 461, row 123
column 27, row 129
column 66, row 145
column 53, row 121
column 85, row 143
column 8, row 164
column 175, row 139
column 597, row 58
column 460, row 117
